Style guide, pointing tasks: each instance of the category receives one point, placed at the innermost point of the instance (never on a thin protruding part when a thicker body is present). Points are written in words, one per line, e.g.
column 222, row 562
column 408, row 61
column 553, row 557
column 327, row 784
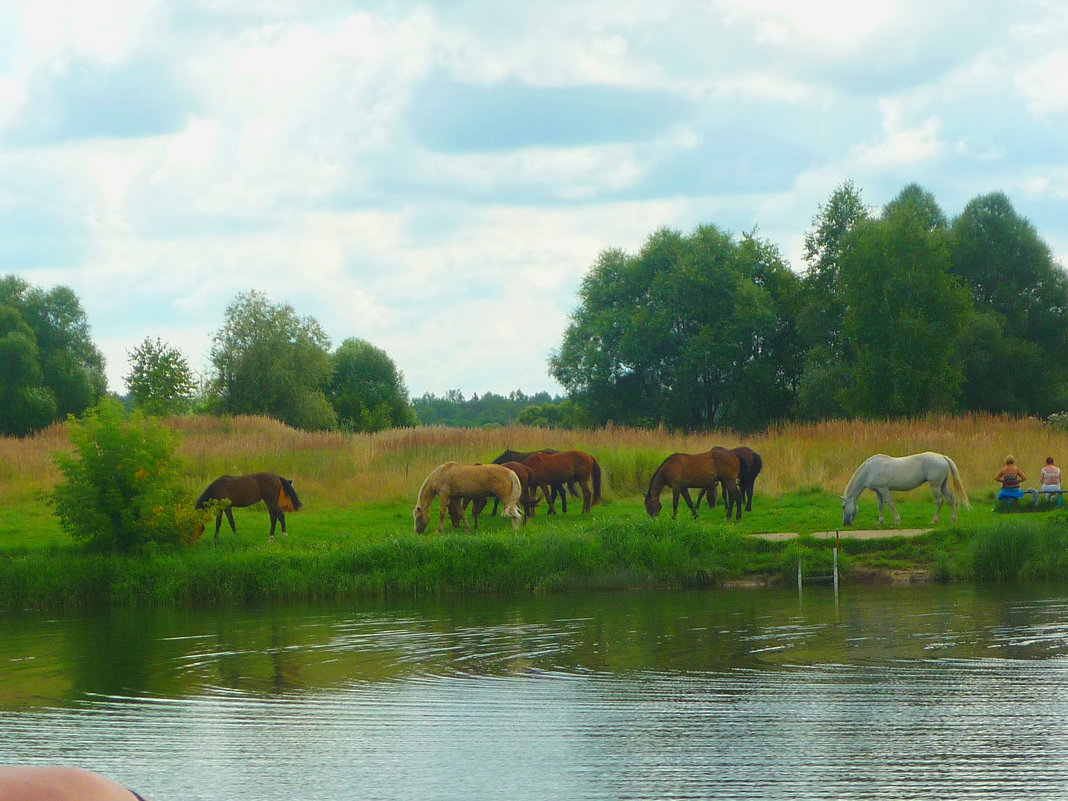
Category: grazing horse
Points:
column 275, row 491
column 478, row 503
column 453, row 479
column 521, row 456
column 681, row 471
column 881, row 473
column 563, row 468
column 750, row 465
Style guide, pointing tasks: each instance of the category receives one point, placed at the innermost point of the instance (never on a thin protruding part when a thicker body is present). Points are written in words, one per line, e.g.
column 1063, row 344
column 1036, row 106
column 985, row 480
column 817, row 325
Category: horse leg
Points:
column 443, row 501
column 476, row 509
column 689, row 502
column 274, row 520
column 890, row 503
column 674, row 503
column 735, row 496
column 230, row 519
column 747, row 493
column 561, row 492
column 587, row 496
column 218, row 524
column 547, row 491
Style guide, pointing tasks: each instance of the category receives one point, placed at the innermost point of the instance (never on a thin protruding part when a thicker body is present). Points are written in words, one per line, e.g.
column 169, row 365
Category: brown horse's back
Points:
column 564, row 467
column 243, row 490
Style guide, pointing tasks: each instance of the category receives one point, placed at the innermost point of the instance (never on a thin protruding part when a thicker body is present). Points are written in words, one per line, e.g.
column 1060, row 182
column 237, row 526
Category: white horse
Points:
column 882, row 473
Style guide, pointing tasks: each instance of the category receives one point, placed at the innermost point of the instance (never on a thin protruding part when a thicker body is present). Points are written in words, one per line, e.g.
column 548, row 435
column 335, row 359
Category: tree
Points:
column 904, row 312
column 1022, row 295
column 821, row 312
column 53, row 368
column 160, row 381
column 367, row 390
column 687, row 332
column 121, row 487
column 269, row 361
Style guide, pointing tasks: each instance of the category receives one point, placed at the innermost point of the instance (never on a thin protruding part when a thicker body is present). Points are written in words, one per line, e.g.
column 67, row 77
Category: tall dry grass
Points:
column 388, row 467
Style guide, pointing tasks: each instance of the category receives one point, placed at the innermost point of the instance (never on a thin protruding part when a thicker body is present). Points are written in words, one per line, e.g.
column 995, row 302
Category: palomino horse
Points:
column 681, row 471
column 750, row 465
column 881, row 474
column 563, row 468
column 275, row 491
column 478, row 503
column 453, row 479
column 521, row 456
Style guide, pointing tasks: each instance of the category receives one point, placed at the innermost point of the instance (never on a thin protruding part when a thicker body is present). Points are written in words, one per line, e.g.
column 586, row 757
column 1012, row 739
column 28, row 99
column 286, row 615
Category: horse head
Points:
column 421, row 519
column 849, row 510
column 653, row 506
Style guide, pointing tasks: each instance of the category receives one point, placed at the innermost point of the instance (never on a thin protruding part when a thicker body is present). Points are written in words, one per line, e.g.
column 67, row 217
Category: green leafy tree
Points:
column 904, row 312
column 688, row 332
column 822, row 311
column 53, row 368
column 121, row 489
column 367, row 390
column 160, row 380
column 563, row 414
column 1021, row 294
column 269, row 361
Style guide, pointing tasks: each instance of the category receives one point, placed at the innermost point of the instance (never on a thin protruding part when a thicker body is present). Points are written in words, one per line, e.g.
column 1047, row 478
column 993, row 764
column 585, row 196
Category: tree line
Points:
column 899, row 312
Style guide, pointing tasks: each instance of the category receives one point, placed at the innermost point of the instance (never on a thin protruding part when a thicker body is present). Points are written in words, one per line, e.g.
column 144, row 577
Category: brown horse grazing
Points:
column 453, row 479
column 563, row 468
column 521, row 456
column 750, row 465
column 275, row 491
column 528, row 501
column 681, row 471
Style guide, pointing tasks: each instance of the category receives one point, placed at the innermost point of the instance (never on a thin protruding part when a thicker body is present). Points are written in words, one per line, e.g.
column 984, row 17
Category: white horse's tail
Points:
column 511, row 503
column 958, row 485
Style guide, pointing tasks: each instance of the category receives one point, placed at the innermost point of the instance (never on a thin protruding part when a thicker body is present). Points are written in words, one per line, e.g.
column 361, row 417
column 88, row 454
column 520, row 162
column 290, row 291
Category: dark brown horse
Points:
column 521, row 456
column 478, row 502
column 683, row 471
column 750, row 466
column 564, row 468
column 276, row 492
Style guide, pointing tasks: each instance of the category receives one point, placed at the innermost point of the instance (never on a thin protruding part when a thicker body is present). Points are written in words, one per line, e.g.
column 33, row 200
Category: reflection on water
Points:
column 914, row 692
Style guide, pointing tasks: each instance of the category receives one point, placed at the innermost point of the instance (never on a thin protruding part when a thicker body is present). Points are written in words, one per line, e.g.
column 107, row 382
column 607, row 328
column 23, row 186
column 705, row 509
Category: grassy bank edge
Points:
column 601, row 555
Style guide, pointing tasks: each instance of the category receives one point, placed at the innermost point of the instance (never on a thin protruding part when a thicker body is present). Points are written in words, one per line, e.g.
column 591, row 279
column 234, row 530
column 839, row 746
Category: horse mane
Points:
column 857, row 478
column 656, row 473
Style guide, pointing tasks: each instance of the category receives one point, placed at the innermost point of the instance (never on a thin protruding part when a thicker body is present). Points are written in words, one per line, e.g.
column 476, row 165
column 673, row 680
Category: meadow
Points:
column 354, row 536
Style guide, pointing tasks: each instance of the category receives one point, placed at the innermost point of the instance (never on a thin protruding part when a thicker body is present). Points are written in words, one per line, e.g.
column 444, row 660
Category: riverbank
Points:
column 354, row 536
column 614, row 547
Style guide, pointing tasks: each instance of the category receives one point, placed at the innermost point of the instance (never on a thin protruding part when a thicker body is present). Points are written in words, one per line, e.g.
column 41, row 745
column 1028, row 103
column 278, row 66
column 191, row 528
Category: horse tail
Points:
column 287, row 485
column 511, row 503
column 596, row 482
column 958, row 485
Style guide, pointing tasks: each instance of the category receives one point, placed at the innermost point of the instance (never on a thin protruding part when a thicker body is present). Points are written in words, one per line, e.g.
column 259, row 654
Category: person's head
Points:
column 1010, row 460
column 1049, row 460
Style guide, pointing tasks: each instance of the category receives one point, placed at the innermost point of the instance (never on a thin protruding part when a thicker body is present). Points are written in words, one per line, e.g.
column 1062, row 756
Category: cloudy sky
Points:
column 437, row 177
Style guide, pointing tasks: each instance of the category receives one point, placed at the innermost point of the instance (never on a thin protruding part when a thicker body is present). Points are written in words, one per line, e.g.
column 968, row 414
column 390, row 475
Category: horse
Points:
column 881, row 473
column 459, row 503
column 750, row 465
column 564, row 468
column 521, row 456
column 681, row 471
column 468, row 481
column 241, row 491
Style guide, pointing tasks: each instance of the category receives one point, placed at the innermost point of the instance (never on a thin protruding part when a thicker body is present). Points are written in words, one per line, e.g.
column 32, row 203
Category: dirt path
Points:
column 850, row 534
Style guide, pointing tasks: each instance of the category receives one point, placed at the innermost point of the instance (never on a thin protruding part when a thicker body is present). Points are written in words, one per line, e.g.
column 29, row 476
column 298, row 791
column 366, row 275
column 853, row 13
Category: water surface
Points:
column 907, row 692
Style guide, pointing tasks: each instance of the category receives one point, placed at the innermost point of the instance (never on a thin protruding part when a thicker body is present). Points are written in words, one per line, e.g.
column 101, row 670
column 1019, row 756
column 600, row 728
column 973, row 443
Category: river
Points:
column 885, row 692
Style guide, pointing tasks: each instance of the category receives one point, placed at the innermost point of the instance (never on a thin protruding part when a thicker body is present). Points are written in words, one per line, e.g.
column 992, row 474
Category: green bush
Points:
column 122, row 490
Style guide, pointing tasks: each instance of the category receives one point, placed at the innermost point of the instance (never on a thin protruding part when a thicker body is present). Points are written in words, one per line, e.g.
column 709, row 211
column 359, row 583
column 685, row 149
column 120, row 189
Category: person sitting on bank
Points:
column 1010, row 477
column 1050, row 477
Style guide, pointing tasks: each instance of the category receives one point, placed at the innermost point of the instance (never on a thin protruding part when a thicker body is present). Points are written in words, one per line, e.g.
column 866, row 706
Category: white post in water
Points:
column 799, row 572
column 837, row 545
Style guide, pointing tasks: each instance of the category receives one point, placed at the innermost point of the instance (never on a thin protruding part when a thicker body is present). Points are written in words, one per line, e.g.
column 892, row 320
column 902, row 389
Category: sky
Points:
column 436, row 178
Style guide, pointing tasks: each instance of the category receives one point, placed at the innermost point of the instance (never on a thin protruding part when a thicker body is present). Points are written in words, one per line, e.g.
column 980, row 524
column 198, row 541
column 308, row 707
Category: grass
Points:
column 354, row 536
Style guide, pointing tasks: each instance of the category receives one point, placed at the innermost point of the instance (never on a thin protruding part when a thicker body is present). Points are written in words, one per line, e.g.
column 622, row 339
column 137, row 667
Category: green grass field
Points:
column 354, row 536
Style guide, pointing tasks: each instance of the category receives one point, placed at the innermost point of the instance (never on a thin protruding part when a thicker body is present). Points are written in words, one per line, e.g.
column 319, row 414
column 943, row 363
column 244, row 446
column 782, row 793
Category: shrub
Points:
column 122, row 490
